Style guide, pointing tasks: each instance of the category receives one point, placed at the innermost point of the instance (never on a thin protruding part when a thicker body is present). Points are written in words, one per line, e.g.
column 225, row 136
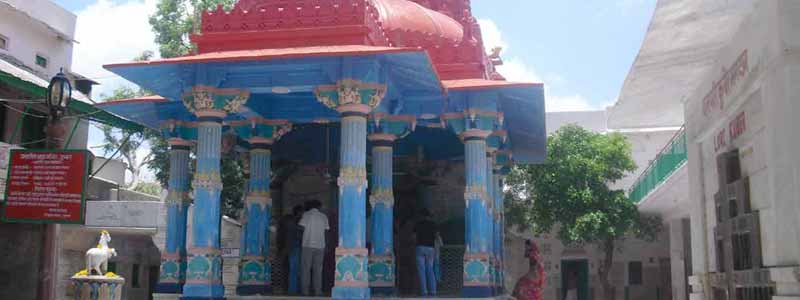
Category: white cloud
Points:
column 492, row 37
column 112, row 32
column 109, row 32
column 567, row 103
column 514, row 69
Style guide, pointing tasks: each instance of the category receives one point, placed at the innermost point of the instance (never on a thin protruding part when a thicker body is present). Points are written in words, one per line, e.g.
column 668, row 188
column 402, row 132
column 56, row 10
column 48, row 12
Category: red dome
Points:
column 408, row 23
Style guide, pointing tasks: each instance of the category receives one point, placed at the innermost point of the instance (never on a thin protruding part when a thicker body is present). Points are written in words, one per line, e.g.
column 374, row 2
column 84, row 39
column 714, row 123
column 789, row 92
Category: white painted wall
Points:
column 645, row 145
column 768, row 96
column 594, row 120
column 38, row 26
column 553, row 252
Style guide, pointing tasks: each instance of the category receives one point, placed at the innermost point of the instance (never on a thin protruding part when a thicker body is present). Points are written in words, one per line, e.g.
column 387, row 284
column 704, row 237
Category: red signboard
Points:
column 46, row 186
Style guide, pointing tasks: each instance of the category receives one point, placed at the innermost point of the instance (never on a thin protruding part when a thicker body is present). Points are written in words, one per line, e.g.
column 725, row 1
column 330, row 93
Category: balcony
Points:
column 669, row 160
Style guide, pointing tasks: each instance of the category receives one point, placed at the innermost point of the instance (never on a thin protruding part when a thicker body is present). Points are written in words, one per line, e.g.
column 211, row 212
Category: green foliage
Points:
column 175, row 20
column 150, row 188
column 159, row 164
column 233, row 182
column 172, row 23
column 570, row 191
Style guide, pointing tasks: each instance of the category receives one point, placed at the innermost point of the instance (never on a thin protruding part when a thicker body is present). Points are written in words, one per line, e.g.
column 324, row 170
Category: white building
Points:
column 726, row 187
column 39, row 33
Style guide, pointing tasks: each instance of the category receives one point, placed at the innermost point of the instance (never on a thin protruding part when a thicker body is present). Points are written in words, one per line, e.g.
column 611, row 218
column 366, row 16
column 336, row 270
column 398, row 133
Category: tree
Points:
column 174, row 20
column 571, row 192
column 150, row 188
column 172, row 23
column 114, row 139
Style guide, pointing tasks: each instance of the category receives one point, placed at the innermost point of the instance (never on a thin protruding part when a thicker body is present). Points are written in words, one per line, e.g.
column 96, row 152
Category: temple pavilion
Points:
column 357, row 87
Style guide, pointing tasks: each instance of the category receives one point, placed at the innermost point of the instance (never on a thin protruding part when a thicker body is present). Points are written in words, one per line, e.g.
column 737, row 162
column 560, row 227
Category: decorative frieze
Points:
column 383, row 196
column 477, row 270
column 477, row 121
column 204, row 266
column 352, row 267
column 259, row 131
column 476, row 192
column 381, row 271
column 350, row 92
column 353, row 176
column 209, row 99
column 207, row 180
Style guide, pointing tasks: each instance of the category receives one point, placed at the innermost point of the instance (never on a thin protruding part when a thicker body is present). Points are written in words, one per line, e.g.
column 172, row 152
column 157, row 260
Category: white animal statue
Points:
column 97, row 258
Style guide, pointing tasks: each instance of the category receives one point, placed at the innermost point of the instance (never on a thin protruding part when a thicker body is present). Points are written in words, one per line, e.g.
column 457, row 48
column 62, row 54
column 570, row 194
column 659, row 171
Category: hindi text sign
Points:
column 46, row 186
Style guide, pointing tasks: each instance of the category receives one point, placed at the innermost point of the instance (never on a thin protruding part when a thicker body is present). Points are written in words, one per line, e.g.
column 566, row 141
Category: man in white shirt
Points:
column 314, row 223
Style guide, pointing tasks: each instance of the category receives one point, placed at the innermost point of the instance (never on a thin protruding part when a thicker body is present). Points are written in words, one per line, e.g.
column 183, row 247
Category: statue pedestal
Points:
column 97, row 287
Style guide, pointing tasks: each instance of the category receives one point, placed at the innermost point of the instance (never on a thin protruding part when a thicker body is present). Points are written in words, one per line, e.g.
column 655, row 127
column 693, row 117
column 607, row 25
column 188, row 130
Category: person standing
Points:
column 426, row 232
column 529, row 287
column 290, row 243
column 314, row 224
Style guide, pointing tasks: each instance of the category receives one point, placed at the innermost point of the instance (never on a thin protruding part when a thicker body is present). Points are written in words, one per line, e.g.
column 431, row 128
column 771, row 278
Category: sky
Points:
column 580, row 49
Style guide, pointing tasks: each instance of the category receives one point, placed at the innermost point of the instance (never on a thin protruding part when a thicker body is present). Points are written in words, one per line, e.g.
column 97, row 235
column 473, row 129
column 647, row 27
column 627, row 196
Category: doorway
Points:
column 577, row 270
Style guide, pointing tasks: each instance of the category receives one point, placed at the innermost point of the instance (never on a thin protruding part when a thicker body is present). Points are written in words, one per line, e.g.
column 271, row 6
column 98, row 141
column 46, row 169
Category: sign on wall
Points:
column 230, row 252
column 45, row 186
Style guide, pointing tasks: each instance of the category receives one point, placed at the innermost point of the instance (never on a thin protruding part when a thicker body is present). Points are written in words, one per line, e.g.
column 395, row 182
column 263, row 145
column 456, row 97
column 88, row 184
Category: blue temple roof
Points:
column 281, row 83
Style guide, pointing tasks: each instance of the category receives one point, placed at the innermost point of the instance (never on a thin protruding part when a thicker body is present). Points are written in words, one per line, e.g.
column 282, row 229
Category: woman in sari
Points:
column 529, row 287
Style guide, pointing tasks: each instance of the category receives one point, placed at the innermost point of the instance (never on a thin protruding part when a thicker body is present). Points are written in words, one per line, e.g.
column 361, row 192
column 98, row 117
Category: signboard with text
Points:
column 46, row 186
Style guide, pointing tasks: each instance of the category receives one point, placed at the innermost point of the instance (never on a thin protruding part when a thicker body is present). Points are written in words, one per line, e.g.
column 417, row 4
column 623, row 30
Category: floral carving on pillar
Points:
column 205, row 98
column 350, row 92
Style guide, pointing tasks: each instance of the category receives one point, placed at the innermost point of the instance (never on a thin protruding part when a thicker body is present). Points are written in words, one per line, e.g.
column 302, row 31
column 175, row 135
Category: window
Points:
column 3, row 42
column 635, row 273
column 41, row 61
column 135, row 276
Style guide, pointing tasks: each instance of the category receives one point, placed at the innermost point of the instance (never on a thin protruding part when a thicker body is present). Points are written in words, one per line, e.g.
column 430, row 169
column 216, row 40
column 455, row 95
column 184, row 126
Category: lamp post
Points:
column 59, row 93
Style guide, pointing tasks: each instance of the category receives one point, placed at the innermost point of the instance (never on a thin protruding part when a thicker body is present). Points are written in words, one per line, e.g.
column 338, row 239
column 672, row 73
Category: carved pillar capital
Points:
column 261, row 133
column 473, row 122
column 206, row 101
column 381, row 126
column 350, row 95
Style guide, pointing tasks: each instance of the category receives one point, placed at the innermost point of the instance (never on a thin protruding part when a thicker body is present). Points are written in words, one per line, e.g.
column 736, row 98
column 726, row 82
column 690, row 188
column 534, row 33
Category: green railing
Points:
column 671, row 158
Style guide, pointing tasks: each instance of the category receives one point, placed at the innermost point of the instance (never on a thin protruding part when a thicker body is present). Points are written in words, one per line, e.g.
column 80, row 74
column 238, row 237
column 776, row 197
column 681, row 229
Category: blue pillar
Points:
column 499, row 230
column 501, row 167
column 477, row 277
column 255, row 270
column 491, row 225
column 173, row 259
column 381, row 260
column 354, row 100
column 204, row 269
column 351, row 255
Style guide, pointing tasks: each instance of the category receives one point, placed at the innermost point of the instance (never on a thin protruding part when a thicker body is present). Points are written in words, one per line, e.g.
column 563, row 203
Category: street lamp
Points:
column 59, row 92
